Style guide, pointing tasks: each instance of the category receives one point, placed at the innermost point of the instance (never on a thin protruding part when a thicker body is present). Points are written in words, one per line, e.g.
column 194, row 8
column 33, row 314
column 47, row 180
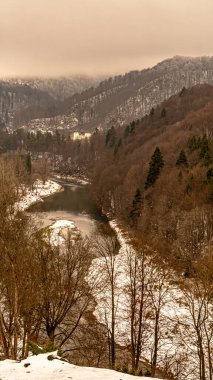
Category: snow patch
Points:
column 41, row 368
column 56, row 231
column 40, row 190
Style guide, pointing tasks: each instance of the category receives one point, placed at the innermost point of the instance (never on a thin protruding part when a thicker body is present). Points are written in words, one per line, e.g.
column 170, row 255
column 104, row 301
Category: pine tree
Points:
column 155, row 166
column 132, row 127
column 205, row 152
column 152, row 111
column 204, row 147
column 163, row 112
column 209, row 175
column 135, row 212
column 182, row 159
column 117, row 146
column 127, row 131
column 110, row 137
column 28, row 163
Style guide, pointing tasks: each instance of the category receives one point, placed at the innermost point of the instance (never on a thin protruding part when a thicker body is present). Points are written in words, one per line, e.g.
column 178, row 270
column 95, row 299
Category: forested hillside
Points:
column 157, row 175
column 115, row 101
column 19, row 102
column 122, row 98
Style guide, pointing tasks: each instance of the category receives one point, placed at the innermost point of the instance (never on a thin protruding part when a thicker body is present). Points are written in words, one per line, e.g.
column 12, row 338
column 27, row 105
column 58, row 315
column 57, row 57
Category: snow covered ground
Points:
column 76, row 179
column 59, row 229
column 177, row 338
column 40, row 190
column 41, row 368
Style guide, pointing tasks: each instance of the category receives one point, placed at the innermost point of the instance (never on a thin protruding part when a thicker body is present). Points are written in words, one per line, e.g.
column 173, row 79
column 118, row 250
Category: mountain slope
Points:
column 115, row 101
column 60, row 87
column 177, row 202
column 25, row 99
column 121, row 99
column 18, row 98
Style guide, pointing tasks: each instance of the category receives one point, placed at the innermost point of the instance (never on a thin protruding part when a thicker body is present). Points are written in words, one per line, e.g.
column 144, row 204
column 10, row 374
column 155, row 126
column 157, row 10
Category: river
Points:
column 75, row 204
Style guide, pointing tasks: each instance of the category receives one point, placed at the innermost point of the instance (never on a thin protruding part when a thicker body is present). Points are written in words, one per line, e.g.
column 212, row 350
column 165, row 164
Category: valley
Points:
column 134, row 288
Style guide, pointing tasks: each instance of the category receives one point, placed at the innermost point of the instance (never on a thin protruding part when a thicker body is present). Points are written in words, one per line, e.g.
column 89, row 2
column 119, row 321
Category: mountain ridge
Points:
column 123, row 98
column 120, row 99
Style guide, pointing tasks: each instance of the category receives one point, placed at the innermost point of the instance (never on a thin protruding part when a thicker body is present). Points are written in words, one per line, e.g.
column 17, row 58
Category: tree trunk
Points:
column 4, row 341
column 113, row 330
column 154, row 358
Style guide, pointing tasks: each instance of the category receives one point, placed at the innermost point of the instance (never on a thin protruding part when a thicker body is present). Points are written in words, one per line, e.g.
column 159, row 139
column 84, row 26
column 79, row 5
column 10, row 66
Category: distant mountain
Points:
column 59, row 88
column 25, row 99
column 15, row 98
column 126, row 97
column 115, row 101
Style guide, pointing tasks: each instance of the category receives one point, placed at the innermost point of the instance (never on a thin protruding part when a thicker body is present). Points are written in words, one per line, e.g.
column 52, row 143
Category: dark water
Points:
column 74, row 203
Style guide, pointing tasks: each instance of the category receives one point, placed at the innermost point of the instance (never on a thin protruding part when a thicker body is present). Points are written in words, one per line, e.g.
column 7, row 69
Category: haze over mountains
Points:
column 59, row 88
column 114, row 101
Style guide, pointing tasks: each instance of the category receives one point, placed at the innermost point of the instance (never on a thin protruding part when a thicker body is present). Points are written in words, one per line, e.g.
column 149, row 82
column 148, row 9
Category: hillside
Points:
column 59, row 88
column 129, row 97
column 28, row 98
column 21, row 102
column 114, row 101
column 175, row 185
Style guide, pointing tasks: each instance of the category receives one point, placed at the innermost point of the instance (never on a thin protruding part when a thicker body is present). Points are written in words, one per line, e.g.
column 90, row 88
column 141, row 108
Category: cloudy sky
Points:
column 60, row 37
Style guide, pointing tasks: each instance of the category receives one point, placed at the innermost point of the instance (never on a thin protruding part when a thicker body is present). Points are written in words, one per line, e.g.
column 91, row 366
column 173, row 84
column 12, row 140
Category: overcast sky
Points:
column 60, row 37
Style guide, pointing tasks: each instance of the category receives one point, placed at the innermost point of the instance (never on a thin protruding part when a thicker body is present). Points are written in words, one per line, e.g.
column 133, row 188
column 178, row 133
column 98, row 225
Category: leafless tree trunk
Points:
column 138, row 301
column 106, row 248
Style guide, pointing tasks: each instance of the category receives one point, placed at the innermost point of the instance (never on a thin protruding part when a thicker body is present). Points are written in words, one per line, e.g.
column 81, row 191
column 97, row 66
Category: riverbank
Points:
column 39, row 191
column 79, row 180
column 175, row 324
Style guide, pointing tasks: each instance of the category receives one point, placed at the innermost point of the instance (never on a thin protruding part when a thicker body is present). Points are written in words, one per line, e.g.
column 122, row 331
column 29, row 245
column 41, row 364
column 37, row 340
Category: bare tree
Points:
column 107, row 248
column 158, row 289
column 138, row 301
column 65, row 294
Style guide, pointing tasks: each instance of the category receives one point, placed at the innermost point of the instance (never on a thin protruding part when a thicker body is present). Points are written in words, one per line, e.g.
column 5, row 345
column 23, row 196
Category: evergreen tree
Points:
column 155, row 166
column 204, row 147
column 205, row 152
column 135, row 212
column 209, row 175
column 182, row 159
column 28, row 163
column 117, row 146
column 163, row 112
column 193, row 143
column 127, row 131
column 132, row 127
column 188, row 188
column 110, row 137
column 152, row 111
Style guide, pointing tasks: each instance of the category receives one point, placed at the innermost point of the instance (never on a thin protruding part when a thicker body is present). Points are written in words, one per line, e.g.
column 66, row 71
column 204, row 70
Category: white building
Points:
column 80, row 135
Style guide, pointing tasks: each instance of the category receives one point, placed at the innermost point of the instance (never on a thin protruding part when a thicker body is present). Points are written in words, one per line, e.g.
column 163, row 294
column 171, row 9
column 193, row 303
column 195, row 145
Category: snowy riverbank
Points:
column 41, row 368
column 175, row 322
column 80, row 180
column 40, row 190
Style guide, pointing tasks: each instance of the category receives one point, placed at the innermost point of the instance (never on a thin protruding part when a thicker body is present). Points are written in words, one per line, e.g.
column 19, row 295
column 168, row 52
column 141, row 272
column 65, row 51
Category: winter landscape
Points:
column 106, row 189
